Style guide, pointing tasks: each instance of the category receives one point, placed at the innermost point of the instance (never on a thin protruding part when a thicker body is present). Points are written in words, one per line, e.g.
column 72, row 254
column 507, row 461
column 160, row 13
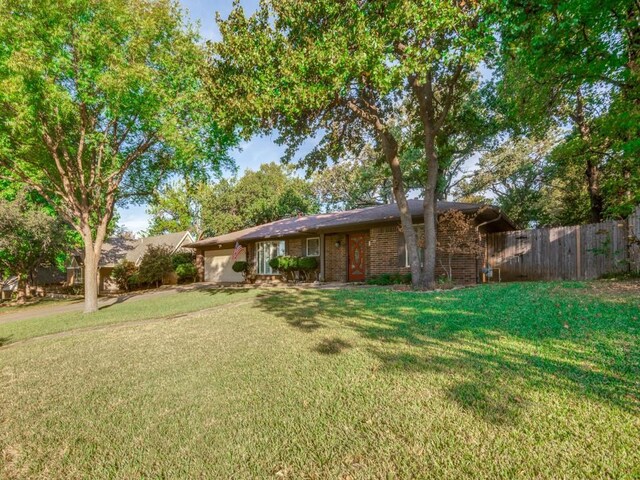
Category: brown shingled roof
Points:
column 326, row 221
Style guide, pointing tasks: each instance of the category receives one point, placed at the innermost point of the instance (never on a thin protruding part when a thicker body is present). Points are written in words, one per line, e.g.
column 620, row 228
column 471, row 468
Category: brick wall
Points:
column 384, row 251
column 335, row 266
column 294, row 247
column 200, row 264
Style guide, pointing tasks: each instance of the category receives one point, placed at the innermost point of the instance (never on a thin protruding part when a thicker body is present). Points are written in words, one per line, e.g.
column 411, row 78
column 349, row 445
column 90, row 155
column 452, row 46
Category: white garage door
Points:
column 217, row 266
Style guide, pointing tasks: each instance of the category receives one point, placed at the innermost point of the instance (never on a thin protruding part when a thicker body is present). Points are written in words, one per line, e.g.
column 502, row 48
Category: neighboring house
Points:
column 8, row 287
column 351, row 246
column 116, row 250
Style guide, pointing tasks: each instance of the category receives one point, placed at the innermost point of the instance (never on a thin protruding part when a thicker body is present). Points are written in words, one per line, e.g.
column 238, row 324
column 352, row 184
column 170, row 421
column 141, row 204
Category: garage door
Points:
column 217, row 266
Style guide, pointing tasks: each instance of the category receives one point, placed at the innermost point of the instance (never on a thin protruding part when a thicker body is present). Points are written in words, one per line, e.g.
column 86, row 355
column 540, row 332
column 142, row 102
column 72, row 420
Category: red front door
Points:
column 357, row 258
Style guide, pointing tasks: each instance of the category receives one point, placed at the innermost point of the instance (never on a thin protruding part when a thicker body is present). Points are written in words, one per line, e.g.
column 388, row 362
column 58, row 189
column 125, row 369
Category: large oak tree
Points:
column 351, row 72
column 100, row 100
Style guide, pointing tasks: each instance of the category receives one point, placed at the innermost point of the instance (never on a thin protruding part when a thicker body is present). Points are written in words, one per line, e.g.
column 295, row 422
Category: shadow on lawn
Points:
column 120, row 299
column 222, row 290
column 331, row 346
column 5, row 340
column 497, row 351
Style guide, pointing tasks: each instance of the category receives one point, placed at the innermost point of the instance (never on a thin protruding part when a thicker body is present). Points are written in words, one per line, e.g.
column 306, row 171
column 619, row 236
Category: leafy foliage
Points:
column 268, row 194
column 182, row 258
column 125, row 275
column 101, row 101
column 390, row 279
column 186, row 272
column 288, row 266
column 155, row 264
column 574, row 65
column 240, row 266
column 458, row 236
column 29, row 236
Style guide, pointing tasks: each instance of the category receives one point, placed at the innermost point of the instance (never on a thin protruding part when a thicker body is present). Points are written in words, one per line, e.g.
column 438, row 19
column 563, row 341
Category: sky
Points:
column 250, row 154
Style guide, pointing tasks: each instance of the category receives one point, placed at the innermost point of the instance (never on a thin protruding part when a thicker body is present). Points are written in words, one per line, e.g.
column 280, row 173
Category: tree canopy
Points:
column 268, row 194
column 30, row 237
column 573, row 65
column 399, row 75
column 100, row 102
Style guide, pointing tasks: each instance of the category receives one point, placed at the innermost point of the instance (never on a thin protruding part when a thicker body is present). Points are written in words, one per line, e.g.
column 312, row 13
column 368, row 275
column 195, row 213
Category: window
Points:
column 420, row 255
column 265, row 251
column 313, row 247
column 78, row 275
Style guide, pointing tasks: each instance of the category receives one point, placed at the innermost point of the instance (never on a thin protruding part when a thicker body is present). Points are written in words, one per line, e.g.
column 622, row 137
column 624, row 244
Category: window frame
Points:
column 307, row 247
column 78, row 275
column 406, row 256
column 262, row 263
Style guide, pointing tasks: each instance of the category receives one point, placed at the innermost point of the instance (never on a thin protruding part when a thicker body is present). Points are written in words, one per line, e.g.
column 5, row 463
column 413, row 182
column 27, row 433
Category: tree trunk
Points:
column 90, row 276
column 430, row 214
column 22, row 290
column 592, row 173
column 390, row 148
column 430, row 125
column 595, row 197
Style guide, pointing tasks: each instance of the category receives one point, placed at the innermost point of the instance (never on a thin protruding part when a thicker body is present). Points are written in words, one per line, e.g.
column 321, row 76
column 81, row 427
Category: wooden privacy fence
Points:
column 566, row 253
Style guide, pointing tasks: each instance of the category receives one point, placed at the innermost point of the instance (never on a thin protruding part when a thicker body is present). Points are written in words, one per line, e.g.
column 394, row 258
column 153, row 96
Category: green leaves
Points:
column 93, row 90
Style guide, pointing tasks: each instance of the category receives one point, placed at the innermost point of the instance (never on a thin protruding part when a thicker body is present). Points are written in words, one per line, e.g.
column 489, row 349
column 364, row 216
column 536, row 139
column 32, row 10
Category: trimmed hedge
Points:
column 286, row 264
column 240, row 266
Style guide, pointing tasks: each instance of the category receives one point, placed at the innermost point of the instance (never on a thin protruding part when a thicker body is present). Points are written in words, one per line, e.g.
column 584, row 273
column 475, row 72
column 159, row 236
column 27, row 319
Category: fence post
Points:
column 633, row 240
column 578, row 252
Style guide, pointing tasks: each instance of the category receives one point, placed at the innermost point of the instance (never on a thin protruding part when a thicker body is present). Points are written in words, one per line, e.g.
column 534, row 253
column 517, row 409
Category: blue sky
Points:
column 252, row 153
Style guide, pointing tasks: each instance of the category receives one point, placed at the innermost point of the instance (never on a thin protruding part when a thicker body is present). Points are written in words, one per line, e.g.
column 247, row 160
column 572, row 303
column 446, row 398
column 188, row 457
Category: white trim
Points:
column 317, row 254
column 262, row 263
column 406, row 256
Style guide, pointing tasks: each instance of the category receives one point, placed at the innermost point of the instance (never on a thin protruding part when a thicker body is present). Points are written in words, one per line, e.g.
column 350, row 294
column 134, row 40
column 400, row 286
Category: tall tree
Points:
column 100, row 100
column 513, row 174
column 575, row 63
column 29, row 236
column 176, row 207
column 257, row 197
column 351, row 71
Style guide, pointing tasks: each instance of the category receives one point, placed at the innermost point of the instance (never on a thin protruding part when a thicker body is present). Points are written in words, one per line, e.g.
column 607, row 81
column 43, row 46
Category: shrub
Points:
column 134, row 281
column 287, row 266
column 390, row 279
column 122, row 274
column 307, row 265
column 240, row 266
column 155, row 264
column 186, row 272
column 182, row 258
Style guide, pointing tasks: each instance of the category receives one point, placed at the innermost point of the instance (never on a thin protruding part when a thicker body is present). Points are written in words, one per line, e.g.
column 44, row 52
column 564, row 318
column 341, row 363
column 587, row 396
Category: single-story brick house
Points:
column 351, row 246
column 118, row 249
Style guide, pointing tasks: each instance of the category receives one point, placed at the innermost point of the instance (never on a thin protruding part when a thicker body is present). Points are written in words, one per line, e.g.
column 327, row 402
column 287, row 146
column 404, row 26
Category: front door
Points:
column 357, row 258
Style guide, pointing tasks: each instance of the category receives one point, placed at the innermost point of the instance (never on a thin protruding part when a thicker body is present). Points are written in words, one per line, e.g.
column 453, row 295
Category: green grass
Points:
column 504, row 381
column 41, row 303
column 127, row 311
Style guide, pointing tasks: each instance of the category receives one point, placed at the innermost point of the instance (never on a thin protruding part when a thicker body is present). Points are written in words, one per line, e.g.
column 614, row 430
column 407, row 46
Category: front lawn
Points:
column 503, row 381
